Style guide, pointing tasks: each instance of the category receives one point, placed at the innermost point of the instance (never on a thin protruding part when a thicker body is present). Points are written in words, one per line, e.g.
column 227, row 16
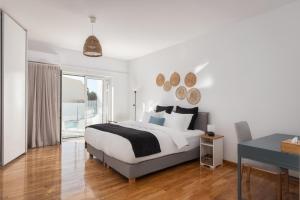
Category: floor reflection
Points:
column 66, row 172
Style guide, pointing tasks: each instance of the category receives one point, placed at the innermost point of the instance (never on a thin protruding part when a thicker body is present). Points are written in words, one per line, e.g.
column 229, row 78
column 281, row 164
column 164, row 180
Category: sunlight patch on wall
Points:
column 200, row 67
column 206, row 82
column 149, row 106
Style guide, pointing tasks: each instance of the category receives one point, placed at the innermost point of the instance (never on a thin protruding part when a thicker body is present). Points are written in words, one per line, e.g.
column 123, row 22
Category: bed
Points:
column 116, row 152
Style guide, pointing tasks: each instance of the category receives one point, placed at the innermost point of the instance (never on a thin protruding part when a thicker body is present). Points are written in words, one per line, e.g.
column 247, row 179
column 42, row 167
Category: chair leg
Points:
column 285, row 175
column 249, row 194
column 249, row 174
column 248, row 170
column 287, row 182
column 279, row 187
column 242, row 171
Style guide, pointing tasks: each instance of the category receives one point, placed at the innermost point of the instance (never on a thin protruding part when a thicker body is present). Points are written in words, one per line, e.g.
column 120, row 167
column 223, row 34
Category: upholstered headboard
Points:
column 202, row 121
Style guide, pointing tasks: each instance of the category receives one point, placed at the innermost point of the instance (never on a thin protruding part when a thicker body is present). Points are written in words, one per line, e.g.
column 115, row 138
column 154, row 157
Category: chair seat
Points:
column 262, row 166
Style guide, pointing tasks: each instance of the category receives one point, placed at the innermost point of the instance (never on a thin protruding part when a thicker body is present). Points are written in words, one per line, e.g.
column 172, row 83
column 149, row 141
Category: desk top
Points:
column 267, row 149
column 271, row 142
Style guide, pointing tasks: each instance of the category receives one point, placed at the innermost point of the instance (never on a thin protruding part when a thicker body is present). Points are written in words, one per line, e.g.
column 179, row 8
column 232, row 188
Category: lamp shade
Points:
column 92, row 47
column 211, row 128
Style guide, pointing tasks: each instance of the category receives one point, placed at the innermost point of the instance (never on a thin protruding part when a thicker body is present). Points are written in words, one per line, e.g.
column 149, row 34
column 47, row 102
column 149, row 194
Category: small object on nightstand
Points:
column 211, row 134
column 211, row 150
column 211, row 130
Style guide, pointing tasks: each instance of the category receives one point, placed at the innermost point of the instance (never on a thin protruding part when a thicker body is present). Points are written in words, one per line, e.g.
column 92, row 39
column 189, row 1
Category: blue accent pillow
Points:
column 157, row 120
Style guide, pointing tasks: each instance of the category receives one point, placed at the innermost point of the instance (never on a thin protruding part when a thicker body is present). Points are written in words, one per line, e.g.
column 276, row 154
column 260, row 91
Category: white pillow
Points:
column 178, row 121
column 147, row 115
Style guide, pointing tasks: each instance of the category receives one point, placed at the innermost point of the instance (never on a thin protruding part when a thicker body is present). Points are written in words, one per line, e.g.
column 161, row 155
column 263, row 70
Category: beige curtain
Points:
column 43, row 104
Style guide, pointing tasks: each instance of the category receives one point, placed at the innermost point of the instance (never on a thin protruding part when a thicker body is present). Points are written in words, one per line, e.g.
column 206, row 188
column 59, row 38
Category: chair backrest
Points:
column 243, row 131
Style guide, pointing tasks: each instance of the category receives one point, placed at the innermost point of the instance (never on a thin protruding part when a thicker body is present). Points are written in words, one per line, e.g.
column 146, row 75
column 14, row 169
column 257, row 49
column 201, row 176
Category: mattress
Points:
column 171, row 141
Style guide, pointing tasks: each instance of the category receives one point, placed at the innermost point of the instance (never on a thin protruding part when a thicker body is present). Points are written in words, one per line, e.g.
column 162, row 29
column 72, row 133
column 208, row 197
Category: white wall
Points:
column 75, row 62
column 251, row 72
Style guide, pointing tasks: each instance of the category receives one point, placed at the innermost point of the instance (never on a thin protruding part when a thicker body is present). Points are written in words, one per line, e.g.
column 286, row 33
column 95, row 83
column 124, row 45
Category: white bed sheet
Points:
column 170, row 141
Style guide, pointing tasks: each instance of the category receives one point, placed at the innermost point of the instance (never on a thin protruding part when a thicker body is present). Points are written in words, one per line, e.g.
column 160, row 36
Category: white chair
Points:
column 244, row 134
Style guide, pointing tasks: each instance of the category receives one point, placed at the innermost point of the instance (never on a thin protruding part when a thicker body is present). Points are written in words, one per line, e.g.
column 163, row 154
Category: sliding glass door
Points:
column 84, row 102
column 73, row 106
column 94, row 112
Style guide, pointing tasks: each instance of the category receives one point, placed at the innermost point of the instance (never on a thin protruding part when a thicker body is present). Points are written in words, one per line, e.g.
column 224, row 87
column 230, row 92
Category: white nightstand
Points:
column 211, row 150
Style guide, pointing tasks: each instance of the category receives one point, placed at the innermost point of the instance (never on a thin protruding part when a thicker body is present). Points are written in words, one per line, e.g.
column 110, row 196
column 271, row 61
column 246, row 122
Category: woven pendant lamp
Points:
column 92, row 46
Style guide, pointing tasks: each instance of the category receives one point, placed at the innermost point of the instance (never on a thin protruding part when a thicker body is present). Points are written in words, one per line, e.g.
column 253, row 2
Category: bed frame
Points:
column 133, row 171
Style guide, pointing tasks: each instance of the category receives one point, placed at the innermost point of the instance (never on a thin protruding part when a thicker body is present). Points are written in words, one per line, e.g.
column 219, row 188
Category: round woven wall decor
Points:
column 181, row 92
column 160, row 80
column 167, row 86
column 190, row 79
column 175, row 79
column 193, row 96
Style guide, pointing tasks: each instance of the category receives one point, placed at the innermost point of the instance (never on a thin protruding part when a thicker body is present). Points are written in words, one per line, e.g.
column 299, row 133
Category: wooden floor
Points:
column 66, row 172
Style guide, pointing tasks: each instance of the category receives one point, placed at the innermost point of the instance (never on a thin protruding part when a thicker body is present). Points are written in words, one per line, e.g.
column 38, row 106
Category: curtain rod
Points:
column 42, row 62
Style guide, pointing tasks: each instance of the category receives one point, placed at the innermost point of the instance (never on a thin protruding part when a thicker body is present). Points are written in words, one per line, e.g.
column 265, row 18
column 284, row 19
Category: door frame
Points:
column 108, row 97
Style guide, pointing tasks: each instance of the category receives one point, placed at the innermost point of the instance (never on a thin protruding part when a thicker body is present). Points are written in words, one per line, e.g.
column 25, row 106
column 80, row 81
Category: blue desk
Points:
column 267, row 150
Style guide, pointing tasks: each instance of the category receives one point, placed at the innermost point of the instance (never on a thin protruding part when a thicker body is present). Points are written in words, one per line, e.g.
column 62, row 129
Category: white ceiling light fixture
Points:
column 92, row 46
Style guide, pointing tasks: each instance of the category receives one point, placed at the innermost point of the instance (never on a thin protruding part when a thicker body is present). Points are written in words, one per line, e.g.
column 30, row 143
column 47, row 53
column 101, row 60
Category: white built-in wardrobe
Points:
column 13, row 46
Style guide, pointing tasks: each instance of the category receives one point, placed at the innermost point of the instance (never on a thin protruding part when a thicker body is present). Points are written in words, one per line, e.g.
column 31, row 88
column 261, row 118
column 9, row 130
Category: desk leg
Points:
column 239, row 175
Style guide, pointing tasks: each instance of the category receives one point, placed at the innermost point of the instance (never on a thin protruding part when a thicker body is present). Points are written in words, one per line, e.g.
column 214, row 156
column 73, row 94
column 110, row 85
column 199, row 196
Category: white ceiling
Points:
column 128, row 29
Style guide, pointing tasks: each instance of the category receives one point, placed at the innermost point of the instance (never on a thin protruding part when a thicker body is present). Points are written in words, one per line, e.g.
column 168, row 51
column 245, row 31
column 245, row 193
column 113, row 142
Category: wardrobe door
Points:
column 14, row 44
column 1, row 153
